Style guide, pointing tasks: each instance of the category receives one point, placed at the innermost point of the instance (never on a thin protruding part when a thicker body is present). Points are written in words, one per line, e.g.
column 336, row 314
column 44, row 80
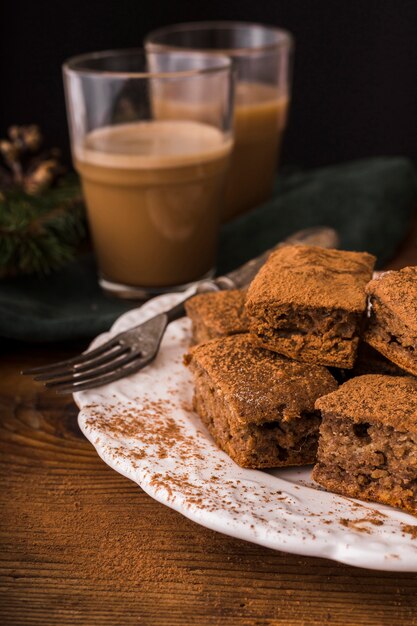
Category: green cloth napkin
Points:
column 369, row 202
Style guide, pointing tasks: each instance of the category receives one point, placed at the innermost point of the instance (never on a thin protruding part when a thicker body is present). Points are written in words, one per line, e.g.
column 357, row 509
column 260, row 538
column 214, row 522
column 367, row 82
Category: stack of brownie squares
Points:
column 267, row 364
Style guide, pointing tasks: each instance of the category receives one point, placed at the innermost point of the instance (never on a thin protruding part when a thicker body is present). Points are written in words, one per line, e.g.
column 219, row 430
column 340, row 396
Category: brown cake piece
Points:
column 309, row 303
column 392, row 328
column 258, row 405
column 368, row 440
column 217, row 314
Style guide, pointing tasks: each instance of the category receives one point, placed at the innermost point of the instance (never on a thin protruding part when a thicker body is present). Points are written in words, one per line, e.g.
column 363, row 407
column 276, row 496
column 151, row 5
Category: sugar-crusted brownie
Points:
column 392, row 328
column 217, row 314
column 368, row 440
column 309, row 303
column 258, row 405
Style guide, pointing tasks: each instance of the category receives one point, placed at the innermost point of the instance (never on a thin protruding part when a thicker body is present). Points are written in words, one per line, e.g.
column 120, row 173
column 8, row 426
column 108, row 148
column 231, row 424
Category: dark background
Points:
column 355, row 77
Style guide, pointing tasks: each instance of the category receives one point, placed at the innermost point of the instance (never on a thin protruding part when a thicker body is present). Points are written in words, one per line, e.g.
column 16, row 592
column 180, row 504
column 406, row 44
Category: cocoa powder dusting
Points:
column 138, row 423
column 154, row 427
column 360, row 524
column 410, row 530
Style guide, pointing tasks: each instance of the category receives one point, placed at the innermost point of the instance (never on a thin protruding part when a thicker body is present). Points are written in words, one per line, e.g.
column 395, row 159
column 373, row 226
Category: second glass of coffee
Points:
column 262, row 57
column 153, row 187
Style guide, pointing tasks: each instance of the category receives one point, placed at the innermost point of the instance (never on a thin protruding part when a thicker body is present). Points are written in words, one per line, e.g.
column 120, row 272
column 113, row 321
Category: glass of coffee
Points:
column 154, row 187
column 262, row 58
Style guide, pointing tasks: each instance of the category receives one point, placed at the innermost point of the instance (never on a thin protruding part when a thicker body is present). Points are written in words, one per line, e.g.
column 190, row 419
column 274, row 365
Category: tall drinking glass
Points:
column 262, row 57
column 153, row 187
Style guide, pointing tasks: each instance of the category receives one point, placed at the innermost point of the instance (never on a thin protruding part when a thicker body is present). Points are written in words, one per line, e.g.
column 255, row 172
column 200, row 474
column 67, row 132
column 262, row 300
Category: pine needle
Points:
column 39, row 234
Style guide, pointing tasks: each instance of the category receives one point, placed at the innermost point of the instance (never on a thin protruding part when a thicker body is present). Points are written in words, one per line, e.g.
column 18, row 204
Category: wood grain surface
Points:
column 80, row 544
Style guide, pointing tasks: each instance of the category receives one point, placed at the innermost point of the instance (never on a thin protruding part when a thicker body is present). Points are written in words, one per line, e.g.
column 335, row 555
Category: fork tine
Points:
column 104, row 380
column 81, row 358
column 89, row 365
column 93, row 374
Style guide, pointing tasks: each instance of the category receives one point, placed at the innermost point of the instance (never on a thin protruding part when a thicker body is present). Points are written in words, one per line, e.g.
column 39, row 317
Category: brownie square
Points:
column 258, row 405
column 368, row 440
column 309, row 303
column 217, row 314
column 392, row 328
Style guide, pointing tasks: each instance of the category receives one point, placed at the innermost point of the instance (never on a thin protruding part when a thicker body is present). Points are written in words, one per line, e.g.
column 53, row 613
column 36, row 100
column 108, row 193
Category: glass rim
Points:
column 284, row 38
column 78, row 64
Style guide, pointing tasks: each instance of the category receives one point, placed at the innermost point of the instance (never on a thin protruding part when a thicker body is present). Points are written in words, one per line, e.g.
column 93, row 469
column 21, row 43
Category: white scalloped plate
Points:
column 144, row 428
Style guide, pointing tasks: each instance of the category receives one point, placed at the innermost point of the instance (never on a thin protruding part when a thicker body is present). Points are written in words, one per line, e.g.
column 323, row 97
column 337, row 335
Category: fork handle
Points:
column 176, row 311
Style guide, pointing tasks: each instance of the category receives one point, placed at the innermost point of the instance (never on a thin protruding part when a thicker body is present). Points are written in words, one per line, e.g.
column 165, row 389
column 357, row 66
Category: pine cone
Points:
column 24, row 166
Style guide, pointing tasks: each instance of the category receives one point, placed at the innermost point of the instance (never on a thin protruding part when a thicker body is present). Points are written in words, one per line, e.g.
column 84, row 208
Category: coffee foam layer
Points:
column 153, row 144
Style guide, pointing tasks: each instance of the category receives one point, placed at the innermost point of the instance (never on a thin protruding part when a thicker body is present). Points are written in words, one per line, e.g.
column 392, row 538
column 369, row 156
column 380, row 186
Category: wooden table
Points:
column 83, row 545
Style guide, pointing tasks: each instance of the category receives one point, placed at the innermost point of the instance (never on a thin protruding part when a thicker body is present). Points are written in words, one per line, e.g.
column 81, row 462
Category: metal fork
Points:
column 123, row 354
column 133, row 349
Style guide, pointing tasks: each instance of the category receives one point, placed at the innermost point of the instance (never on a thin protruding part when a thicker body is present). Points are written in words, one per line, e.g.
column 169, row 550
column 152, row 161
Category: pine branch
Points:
column 42, row 218
column 40, row 234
